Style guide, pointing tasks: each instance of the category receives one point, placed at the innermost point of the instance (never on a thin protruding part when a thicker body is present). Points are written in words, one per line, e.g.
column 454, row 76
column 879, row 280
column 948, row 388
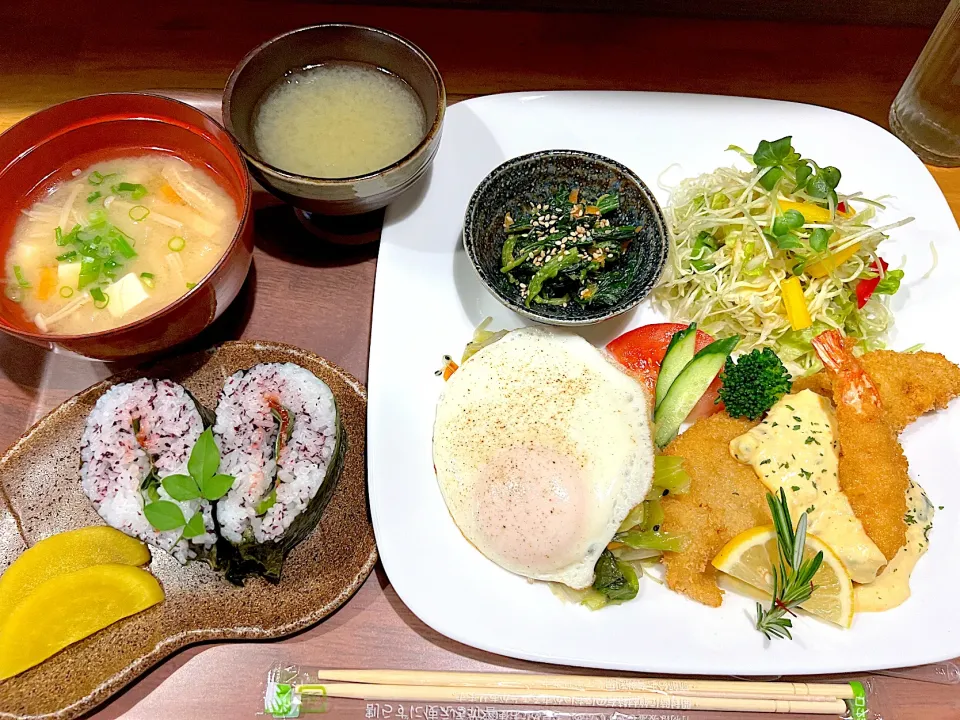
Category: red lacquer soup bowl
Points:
column 48, row 146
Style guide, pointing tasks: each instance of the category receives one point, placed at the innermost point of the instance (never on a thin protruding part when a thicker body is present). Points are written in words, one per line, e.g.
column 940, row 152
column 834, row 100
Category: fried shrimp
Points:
column 725, row 498
column 873, row 469
column 910, row 384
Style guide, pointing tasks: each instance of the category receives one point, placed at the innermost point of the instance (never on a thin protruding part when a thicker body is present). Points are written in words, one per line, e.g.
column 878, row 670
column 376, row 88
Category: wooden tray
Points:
column 40, row 495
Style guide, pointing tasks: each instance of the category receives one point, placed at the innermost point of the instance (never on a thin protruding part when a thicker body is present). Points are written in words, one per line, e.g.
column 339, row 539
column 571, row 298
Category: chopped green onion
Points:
column 147, row 279
column 177, row 243
column 138, row 213
column 97, row 178
column 67, row 256
column 191, row 286
column 104, row 251
column 21, row 280
column 93, row 196
column 66, row 292
column 120, row 245
column 68, row 238
column 97, row 218
column 100, row 298
column 89, row 271
column 136, row 190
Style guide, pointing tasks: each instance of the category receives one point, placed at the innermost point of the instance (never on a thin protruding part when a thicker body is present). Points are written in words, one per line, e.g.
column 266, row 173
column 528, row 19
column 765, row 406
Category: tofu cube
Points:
column 125, row 294
column 68, row 275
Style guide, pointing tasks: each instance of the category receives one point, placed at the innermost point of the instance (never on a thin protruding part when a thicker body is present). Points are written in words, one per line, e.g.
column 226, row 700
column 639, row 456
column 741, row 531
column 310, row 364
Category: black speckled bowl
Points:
column 536, row 178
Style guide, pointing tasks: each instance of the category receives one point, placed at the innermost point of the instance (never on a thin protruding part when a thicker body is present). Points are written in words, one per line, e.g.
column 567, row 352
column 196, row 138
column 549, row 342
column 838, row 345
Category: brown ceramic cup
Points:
column 45, row 147
column 267, row 64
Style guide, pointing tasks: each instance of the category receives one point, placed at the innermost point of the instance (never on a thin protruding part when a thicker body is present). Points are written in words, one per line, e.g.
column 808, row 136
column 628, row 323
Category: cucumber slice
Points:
column 689, row 387
column 680, row 351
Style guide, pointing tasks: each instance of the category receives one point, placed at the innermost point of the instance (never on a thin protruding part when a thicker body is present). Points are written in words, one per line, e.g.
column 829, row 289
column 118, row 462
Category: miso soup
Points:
column 116, row 242
column 338, row 120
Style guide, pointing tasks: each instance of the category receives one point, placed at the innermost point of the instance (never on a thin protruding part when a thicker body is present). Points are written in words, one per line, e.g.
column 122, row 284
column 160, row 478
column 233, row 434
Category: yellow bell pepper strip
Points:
column 795, row 304
column 831, row 262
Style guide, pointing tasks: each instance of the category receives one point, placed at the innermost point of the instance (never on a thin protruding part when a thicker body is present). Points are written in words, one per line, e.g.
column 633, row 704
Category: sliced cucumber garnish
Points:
column 680, row 351
column 689, row 387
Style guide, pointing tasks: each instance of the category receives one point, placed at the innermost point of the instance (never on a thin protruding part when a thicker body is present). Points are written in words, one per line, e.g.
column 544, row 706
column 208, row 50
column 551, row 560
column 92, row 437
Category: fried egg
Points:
column 541, row 447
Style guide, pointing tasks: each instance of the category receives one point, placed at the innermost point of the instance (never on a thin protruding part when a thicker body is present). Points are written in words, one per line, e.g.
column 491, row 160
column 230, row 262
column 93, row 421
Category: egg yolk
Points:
column 530, row 504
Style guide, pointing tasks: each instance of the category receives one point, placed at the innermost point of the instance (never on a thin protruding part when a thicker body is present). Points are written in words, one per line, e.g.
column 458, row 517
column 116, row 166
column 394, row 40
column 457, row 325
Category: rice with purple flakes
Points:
column 133, row 429
column 279, row 435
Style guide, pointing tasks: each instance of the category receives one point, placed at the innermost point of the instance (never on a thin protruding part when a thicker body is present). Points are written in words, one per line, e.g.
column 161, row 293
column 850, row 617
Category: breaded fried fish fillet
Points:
column 910, row 384
column 725, row 498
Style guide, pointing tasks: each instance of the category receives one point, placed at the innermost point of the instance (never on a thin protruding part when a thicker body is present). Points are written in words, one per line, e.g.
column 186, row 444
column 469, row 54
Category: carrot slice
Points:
column 170, row 195
column 47, row 284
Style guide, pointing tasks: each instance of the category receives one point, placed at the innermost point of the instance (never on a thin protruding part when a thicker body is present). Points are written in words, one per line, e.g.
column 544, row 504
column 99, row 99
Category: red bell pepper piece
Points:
column 866, row 287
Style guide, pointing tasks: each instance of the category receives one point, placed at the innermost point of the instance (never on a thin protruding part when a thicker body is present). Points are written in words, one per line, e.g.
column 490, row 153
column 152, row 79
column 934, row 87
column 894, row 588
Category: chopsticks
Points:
column 582, row 691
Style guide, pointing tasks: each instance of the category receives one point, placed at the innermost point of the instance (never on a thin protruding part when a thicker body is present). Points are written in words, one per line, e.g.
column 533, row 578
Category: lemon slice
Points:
column 751, row 555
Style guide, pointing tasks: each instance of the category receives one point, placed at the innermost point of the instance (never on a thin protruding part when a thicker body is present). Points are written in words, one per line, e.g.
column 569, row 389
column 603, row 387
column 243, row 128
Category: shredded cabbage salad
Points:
column 738, row 238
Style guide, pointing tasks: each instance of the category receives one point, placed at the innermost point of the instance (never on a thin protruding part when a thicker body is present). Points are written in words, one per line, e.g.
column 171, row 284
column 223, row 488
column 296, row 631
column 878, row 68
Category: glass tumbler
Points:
column 926, row 111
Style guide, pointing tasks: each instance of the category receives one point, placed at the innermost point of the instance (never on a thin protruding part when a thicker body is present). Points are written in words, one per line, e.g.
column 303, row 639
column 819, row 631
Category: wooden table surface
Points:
column 320, row 298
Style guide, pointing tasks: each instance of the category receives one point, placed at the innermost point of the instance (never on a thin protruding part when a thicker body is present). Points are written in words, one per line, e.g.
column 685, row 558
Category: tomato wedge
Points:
column 640, row 352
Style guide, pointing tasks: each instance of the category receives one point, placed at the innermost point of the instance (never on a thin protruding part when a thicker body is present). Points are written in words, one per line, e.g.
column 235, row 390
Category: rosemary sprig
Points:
column 793, row 579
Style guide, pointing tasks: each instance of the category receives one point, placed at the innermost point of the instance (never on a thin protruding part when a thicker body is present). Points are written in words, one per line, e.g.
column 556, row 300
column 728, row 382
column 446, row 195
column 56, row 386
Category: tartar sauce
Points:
column 795, row 448
column 892, row 586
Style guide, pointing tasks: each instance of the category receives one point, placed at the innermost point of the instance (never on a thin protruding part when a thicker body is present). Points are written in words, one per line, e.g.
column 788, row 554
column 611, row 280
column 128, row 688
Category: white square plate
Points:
column 428, row 300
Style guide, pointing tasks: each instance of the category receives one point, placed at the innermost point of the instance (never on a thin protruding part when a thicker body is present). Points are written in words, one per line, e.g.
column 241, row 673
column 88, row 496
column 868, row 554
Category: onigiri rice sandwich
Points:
column 280, row 437
column 138, row 434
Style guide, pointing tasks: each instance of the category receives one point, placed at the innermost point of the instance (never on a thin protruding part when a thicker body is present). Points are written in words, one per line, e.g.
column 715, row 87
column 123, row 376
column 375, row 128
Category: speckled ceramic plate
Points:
column 40, row 483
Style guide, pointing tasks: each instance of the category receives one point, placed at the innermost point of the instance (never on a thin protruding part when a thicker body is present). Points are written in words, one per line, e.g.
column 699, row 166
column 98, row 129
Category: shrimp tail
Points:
column 852, row 386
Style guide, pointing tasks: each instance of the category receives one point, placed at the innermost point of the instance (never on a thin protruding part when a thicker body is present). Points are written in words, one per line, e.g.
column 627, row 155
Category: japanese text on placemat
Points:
column 411, row 711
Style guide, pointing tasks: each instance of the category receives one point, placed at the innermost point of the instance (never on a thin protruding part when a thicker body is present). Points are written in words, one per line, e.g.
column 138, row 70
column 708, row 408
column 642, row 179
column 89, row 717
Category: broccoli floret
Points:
column 753, row 383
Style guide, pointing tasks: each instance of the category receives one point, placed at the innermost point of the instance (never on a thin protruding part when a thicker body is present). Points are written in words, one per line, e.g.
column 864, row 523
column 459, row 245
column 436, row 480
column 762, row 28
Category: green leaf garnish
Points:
column 819, row 239
column 164, row 515
column 803, row 173
column 217, row 486
column 202, row 482
column 194, row 526
column 204, row 458
column 770, row 178
column 771, row 154
column 181, row 487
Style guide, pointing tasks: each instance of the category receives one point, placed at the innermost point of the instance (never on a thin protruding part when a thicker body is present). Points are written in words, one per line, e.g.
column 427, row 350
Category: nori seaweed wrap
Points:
column 281, row 438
